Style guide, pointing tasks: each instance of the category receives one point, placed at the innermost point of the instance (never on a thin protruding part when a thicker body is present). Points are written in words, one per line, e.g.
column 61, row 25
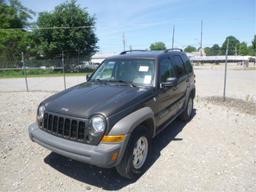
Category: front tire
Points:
column 133, row 163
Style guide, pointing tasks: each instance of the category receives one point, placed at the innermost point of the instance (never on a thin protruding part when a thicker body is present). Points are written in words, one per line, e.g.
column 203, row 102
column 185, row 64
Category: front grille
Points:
column 66, row 127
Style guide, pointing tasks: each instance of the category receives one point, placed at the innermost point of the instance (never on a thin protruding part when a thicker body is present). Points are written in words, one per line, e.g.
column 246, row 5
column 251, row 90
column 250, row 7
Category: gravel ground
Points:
column 215, row 151
column 237, row 104
column 203, row 155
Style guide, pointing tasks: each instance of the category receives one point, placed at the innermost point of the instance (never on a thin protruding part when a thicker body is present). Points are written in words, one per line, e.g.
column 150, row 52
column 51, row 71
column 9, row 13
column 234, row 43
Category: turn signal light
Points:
column 113, row 138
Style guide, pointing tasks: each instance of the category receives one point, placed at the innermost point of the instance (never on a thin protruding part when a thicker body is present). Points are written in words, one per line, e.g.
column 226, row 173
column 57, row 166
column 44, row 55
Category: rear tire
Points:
column 186, row 115
column 133, row 164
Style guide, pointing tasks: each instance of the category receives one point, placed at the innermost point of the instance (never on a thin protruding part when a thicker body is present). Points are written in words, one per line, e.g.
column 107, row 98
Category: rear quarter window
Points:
column 179, row 66
column 187, row 63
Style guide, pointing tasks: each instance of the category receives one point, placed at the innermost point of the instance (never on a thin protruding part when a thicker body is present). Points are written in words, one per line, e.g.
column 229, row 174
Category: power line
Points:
column 46, row 28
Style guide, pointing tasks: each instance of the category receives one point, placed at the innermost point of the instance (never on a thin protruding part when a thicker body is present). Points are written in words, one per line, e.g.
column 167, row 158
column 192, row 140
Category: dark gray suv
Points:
column 110, row 120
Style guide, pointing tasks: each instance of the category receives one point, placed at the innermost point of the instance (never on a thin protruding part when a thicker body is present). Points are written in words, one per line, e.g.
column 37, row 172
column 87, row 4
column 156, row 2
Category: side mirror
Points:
column 170, row 82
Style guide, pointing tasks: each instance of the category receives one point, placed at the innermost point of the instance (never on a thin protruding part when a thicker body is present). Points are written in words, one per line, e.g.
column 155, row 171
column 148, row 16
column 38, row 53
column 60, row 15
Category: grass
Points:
column 38, row 73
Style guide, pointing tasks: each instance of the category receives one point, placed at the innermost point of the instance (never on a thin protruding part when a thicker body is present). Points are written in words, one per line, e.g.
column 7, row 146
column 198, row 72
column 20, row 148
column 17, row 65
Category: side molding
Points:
column 131, row 121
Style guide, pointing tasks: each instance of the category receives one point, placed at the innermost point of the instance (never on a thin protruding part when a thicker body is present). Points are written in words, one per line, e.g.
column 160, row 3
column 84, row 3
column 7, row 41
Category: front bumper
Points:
column 99, row 155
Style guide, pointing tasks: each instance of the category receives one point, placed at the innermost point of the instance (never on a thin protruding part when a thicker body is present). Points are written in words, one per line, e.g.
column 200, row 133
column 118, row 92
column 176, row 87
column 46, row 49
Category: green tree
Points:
column 68, row 28
column 254, row 42
column 251, row 51
column 252, row 48
column 233, row 45
column 190, row 49
column 214, row 50
column 14, row 15
column 22, row 12
column 13, row 21
column 157, row 46
column 243, row 49
column 207, row 50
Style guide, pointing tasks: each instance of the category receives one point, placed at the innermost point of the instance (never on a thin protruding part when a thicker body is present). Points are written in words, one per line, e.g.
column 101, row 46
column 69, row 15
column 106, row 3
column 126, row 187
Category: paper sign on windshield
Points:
column 147, row 79
column 143, row 68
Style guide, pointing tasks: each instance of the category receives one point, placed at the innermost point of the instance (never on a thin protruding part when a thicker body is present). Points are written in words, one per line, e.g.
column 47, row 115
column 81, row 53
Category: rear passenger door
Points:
column 181, row 87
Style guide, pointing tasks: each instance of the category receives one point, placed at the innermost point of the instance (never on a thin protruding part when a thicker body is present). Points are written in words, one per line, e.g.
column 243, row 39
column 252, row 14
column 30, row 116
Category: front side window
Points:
column 136, row 71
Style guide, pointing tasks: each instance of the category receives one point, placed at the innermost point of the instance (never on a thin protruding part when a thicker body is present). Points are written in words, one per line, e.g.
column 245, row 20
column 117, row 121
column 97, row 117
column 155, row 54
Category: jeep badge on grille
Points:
column 64, row 109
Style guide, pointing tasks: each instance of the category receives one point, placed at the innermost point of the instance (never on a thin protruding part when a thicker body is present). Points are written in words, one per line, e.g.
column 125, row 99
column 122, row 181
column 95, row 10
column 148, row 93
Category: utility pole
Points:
column 63, row 67
column 173, row 33
column 225, row 74
column 201, row 39
column 24, row 69
column 124, row 42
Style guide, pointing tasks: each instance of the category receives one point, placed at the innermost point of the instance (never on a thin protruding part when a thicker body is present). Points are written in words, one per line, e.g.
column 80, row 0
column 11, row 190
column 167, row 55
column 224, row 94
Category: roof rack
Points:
column 144, row 50
column 173, row 49
column 128, row 51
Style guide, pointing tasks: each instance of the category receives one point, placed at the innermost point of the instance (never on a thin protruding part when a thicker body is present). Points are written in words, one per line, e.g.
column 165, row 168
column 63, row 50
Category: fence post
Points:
column 63, row 67
column 225, row 74
column 25, row 71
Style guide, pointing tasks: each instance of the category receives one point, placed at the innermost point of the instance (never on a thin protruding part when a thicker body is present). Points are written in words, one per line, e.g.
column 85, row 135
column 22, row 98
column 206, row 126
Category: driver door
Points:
column 166, row 96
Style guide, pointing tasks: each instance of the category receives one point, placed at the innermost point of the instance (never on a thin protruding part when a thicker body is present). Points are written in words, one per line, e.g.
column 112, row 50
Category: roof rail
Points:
column 128, row 51
column 173, row 49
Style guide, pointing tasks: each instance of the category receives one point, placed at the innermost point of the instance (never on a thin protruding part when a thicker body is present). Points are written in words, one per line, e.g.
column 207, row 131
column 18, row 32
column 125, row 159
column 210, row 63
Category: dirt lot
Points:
column 216, row 151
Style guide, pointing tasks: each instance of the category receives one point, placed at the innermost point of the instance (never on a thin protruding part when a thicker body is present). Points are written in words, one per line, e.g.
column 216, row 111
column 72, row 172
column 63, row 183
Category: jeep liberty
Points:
column 110, row 120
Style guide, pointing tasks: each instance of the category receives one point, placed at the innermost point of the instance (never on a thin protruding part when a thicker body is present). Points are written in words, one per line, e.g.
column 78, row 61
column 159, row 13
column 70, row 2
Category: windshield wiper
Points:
column 122, row 81
column 99, row 80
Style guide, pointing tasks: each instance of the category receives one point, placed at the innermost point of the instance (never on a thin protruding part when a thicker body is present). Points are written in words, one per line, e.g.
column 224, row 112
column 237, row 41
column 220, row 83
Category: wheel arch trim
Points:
column 127, row 124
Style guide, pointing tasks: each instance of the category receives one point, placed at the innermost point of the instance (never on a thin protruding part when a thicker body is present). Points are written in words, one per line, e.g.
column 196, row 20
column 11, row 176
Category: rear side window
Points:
column 188, row 65
column 179, row 66
column 166, row 70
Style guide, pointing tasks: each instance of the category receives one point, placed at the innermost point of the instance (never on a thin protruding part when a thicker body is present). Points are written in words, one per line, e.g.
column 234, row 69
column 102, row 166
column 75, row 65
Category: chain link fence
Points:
column 43, row 74
column 61, row 72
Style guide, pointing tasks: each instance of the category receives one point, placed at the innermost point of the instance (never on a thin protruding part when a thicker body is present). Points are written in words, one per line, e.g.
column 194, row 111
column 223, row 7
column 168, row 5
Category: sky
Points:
column 146, row 21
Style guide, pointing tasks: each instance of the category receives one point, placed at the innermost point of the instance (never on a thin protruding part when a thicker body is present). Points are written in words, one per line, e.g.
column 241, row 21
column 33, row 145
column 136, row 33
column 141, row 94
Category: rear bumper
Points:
column 99, row 155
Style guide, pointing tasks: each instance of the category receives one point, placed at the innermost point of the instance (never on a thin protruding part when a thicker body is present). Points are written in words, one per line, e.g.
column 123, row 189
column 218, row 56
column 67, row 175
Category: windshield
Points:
column 136, row 71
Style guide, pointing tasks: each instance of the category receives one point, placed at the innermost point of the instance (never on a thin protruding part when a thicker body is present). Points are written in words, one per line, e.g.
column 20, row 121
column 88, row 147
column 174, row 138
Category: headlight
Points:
column 98, row 125
column 40, row 113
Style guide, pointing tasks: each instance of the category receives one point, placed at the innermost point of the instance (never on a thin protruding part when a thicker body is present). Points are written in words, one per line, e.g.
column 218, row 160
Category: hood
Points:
column 91, row 98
